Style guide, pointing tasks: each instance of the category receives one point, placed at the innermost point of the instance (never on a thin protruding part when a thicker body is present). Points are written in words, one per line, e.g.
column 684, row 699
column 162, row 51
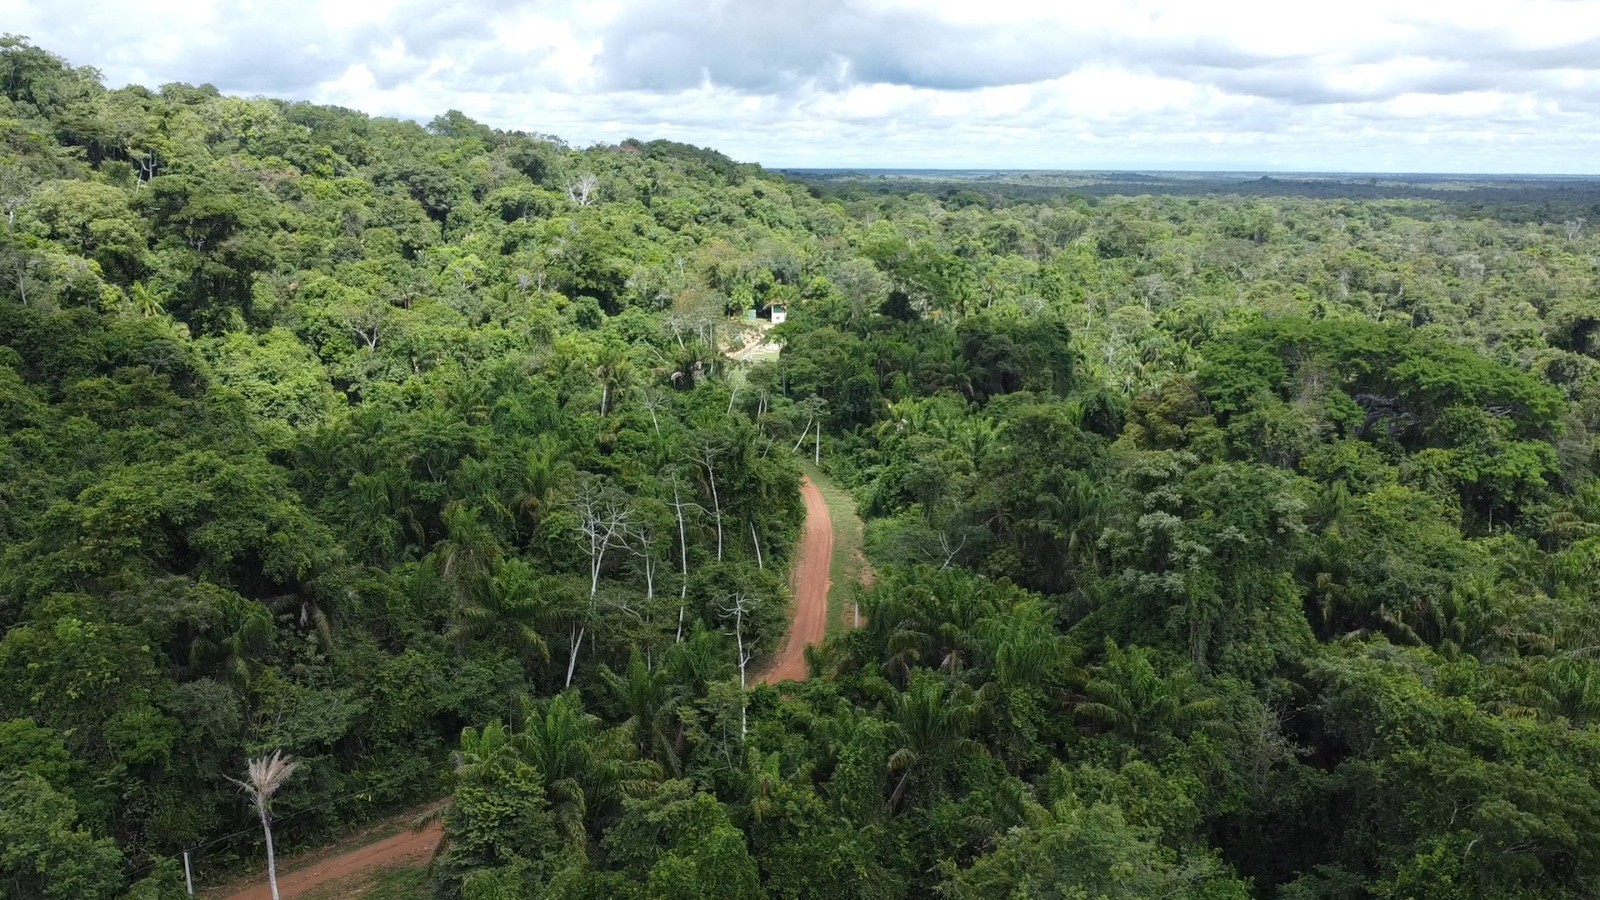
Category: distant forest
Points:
column 1507, row 197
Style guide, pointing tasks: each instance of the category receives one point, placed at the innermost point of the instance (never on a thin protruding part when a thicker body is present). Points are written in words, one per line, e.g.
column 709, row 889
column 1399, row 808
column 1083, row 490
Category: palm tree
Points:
column 586, row 769
column 930, row 724
column 615, row 371
column 229, row 645
column 926, row 618
column 264, row 775
column 147, row 301
column 469, row 554
column 516, row 608
column 310, row 609
column 1129, row 697
column 543, row 474
column 1026, row 649
column 651, row 700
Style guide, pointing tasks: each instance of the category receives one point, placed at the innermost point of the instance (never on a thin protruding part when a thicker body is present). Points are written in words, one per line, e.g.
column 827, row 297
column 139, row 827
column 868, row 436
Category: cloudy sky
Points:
column 1354, row 85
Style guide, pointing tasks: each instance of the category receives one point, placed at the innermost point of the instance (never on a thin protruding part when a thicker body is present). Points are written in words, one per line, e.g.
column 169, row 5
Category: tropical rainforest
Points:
column 1226, row 544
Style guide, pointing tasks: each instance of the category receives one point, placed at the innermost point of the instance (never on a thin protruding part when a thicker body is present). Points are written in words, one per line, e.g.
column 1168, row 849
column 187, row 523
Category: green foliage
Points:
column 1225, row 546
column 1092, row 853
column 47, row 853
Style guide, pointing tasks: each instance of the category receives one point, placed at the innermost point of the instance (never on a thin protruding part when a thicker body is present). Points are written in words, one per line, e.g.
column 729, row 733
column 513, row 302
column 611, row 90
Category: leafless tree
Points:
column 264, row 775
column 582, row 189
column 706, row 453
column 640, row 539
column 653, row 402
column 813, row 407
column 949, row 551
column 678, row 506
column 17, row 270
column 14, row 191
column 738, row 607
column 603, row 518
column 367, row 322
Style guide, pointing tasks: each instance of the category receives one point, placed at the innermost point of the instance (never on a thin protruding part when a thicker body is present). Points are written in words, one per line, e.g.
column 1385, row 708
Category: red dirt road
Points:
column 810, row 586
column 407, row 845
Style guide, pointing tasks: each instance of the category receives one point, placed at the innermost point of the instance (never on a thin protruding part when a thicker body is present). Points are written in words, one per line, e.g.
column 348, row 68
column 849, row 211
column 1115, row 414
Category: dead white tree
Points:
column 738, row 607
column 263, row 776
column 640, row 539
column 813, row 406
column 802, row 439
column 17, row 270
column 367, row 322
column 603, row 522
column 582, row 189
column 678, row 506
column 706, row 453
column 757, row 542
column 949, row 551
column 652, row 401
column 14, row 192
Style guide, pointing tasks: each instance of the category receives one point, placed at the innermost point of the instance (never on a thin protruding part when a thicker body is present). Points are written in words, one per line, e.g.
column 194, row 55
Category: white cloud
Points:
column 1360, row 85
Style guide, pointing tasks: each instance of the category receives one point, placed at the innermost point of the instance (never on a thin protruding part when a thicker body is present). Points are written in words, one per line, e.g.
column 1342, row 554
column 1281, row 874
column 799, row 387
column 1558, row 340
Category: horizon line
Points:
column 1156, row 170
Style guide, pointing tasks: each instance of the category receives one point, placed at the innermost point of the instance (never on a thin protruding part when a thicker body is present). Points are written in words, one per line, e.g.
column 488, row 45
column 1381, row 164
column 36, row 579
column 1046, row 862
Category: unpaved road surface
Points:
column 810, row 584
column 405, row 846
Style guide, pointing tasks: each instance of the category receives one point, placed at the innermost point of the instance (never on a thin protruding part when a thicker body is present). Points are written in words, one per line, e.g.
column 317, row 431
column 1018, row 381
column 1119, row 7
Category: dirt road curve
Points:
column 404, row 846
column 810, row 586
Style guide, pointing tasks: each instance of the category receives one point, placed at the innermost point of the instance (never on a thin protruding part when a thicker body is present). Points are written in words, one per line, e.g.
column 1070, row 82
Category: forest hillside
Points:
column 1227, row 545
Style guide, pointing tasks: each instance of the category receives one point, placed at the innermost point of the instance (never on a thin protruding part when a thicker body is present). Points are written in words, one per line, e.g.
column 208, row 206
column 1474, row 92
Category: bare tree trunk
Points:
column 716, row 506
column 757, row 542
column 683, row 558
column 572, row 658
column 272, row 859
column 604, row 521
column 744, row 722
column 716, row 502
column 740, row 605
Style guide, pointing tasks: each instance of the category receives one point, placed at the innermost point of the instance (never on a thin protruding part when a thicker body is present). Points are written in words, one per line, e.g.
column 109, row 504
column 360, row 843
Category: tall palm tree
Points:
column 147, row 301
column 544, row 472
column 229, row 645
column 616, row 372
column 927, row 618
column 264, row 776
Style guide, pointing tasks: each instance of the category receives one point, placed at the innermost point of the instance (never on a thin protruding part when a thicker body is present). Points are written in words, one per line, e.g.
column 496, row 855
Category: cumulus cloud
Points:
column 1358, row 85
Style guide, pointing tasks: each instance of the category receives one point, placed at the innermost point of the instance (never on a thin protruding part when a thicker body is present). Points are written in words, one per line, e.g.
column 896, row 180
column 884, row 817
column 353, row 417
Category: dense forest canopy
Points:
column 1226, row 544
